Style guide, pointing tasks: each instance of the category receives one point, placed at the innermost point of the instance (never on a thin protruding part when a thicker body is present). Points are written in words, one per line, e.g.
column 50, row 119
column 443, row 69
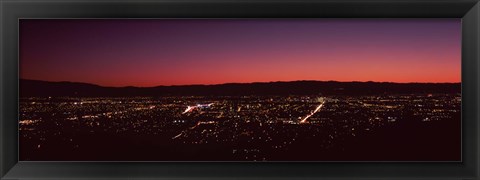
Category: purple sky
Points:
column 150, row 52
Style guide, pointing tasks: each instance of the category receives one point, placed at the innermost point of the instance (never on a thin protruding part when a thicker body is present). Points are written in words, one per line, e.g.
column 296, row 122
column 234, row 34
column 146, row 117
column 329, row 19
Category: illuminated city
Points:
column 315, row 89
column 252, row 128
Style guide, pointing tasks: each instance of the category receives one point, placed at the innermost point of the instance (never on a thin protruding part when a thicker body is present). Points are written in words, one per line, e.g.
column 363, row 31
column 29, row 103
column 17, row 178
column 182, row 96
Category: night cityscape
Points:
column 243, row 128
column 240, row 89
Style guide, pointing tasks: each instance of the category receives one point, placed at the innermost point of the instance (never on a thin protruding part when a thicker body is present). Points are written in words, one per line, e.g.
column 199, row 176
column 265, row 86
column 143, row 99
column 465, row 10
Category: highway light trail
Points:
column 313, row 112
column 177, row 136
column 191, row 108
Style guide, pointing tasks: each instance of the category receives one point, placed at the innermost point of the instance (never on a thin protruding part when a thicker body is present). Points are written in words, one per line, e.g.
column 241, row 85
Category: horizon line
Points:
column 243, row 83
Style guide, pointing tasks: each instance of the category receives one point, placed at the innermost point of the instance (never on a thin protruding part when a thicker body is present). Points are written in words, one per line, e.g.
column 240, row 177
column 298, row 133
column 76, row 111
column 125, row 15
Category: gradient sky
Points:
column 151, row 52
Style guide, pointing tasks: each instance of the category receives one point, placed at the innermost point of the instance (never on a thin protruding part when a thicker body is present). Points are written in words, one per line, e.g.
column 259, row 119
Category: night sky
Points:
column 152, row 52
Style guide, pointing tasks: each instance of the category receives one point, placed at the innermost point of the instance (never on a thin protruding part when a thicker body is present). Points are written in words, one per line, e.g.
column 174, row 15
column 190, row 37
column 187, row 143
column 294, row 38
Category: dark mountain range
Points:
column 29, row 88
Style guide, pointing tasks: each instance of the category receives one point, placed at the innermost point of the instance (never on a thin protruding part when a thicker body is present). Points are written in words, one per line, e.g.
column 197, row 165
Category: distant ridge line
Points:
column 73, row 82
column 307, row 87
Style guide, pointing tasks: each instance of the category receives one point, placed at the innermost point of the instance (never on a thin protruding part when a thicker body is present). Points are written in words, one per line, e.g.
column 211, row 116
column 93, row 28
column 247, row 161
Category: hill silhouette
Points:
column 32, row 88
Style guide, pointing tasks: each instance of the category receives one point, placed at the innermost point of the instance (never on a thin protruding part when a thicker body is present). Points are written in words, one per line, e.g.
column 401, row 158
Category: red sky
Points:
column 177, row 52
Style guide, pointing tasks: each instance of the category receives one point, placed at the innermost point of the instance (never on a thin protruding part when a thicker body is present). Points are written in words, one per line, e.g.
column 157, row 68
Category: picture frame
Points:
column 12, row 11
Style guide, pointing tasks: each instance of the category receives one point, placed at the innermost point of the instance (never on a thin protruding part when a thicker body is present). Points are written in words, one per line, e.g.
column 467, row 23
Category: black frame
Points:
column 12, row 10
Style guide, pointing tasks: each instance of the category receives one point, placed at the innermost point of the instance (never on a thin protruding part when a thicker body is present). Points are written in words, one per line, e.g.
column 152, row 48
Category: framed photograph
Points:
column 240, row 89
